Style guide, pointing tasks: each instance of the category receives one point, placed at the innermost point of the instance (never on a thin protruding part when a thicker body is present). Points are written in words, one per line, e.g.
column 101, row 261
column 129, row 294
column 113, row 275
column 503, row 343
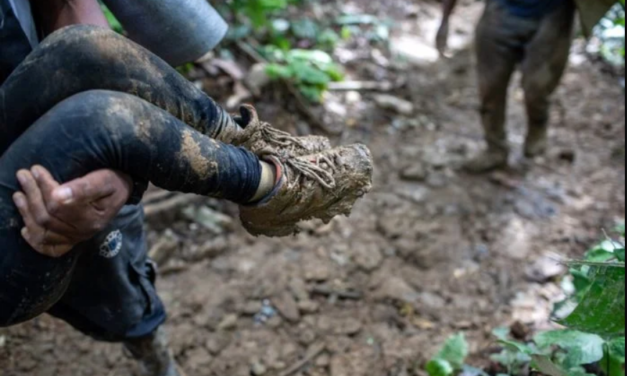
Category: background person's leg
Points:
column 498, row 52
column 82, row 58
column 546, row 57
column 96, row 130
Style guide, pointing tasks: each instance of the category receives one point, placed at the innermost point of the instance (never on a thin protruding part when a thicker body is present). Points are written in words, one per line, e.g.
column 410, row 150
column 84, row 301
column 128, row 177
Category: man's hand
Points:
column 58, row 217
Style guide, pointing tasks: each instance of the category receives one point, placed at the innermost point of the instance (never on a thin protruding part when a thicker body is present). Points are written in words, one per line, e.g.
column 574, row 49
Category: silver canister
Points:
column 178, row 31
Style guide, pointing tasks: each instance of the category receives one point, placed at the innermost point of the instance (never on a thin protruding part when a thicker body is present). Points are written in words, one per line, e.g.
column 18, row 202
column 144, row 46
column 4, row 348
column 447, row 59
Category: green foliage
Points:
column 596, row 325
column 611, row 32
column 309, row 70
column 602, row 308
column 113, row 21
column 451, row 357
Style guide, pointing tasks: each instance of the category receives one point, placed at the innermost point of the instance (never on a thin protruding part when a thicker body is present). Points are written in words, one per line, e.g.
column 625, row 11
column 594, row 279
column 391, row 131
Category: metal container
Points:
column 179, row 31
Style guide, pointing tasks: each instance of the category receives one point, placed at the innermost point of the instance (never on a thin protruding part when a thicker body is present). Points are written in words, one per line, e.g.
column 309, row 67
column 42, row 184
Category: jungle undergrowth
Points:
column 593, row 317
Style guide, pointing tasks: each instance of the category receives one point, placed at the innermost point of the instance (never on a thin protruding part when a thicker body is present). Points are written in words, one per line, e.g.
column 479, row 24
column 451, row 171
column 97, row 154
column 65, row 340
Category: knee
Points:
column 83, row 41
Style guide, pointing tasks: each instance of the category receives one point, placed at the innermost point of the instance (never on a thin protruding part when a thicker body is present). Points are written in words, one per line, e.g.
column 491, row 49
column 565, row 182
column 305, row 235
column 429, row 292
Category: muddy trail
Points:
column 430, row 252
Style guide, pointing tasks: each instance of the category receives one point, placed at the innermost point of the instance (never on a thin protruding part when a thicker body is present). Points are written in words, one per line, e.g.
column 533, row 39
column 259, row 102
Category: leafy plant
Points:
column 596, row 325
column 451, row 357
column 309, row 70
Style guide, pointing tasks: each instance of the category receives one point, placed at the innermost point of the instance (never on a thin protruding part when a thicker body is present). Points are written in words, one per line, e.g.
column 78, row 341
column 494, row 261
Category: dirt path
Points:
column 430, row 252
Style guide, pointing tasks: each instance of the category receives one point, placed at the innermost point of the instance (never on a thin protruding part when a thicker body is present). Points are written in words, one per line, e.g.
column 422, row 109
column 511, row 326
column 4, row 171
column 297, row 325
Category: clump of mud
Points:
column 321, row 186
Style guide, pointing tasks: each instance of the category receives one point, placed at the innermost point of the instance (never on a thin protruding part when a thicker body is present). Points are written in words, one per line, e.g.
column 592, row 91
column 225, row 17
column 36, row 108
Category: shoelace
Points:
column 313, row 170
column 310, row 169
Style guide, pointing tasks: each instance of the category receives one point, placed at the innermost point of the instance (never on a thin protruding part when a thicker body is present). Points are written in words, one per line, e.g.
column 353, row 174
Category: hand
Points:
column 58, row 217
column 442, row 38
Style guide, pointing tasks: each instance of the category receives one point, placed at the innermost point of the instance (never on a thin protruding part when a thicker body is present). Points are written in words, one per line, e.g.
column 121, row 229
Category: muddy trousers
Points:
column 540, row 46
column 88, row 99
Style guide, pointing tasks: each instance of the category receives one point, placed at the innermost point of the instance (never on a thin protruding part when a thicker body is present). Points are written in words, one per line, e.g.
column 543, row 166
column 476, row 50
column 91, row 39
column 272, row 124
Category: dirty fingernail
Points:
column 64, row 194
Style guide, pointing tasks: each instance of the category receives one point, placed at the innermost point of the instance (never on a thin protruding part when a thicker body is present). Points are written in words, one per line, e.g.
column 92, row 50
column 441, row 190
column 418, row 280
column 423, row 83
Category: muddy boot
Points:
column 262, row 139
column 154, row 355
column 489, row 160
column 537, row 142
column 321, row 185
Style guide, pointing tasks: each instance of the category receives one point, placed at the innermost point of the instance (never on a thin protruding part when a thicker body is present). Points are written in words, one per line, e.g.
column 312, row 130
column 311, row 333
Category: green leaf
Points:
column 616, row 348
column 472, row 371
column 620, row 254
column 305, row 29
column 440, row 367
column 278, row 71
column 602, row 309
column 307, row 74
column 581, row 348
column 455, row 351
column 502, row 333
column 518, row 347
column 545, row 365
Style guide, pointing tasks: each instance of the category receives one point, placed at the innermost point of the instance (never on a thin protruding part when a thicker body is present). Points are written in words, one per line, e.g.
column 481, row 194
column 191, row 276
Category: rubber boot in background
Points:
column 178, row 31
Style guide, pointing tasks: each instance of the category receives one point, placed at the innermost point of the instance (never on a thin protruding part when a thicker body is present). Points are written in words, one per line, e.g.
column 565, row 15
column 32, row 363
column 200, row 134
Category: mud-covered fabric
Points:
column 91, row 131
column 146, row 124
column 531, row 8
column 81, row 58
column 112, row 296
column 14, row 44
column 540, row 47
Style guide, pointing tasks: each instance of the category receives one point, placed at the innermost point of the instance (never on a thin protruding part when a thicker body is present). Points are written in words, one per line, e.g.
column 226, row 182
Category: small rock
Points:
column 229, row 322
column 568, row 155
column 316, row 270
column 307, row 337
column 367, row 256
column 545, row 269
column 308, row 306
column 217, row 342
column 287, row 307
column 299, row 289
column 437, row 180
column 347, row 326
column 323, row 361
column 399, row 105
column 396, row 289
column 258, row 78
column 432, row 300
column 258, row 368
column 416, row 172
column 252, row 308
column 198, row 358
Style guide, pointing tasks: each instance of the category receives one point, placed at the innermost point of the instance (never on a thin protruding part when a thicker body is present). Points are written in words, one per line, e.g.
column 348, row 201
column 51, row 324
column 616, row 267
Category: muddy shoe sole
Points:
column 322, row 186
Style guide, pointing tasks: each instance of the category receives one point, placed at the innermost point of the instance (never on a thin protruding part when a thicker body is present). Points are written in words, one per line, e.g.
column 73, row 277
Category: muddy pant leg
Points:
column 96, row 130
column 546, row 57
column 81, row 58
column 497, row 56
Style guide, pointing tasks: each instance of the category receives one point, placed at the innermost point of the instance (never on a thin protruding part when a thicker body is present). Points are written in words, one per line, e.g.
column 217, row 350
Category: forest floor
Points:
column 430, row 252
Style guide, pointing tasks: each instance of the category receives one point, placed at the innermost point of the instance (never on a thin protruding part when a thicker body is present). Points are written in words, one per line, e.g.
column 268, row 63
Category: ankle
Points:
column 268, row 181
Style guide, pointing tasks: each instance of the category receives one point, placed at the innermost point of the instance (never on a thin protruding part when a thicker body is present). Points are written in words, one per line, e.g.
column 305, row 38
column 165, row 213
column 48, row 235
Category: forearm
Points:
column 52, row 15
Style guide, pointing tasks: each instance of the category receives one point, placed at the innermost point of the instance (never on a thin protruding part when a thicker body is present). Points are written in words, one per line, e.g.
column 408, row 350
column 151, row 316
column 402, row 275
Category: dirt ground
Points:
column 430, row 252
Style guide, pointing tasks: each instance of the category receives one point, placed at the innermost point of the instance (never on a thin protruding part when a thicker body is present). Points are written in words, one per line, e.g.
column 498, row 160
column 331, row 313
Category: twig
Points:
column 361, row 86
column 312, row 353
column 344, row 294
column 173, row 203
column 594, row 263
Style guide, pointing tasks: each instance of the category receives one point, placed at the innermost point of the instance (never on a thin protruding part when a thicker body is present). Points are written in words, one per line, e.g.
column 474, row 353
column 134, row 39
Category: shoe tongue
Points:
column 248, row 116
